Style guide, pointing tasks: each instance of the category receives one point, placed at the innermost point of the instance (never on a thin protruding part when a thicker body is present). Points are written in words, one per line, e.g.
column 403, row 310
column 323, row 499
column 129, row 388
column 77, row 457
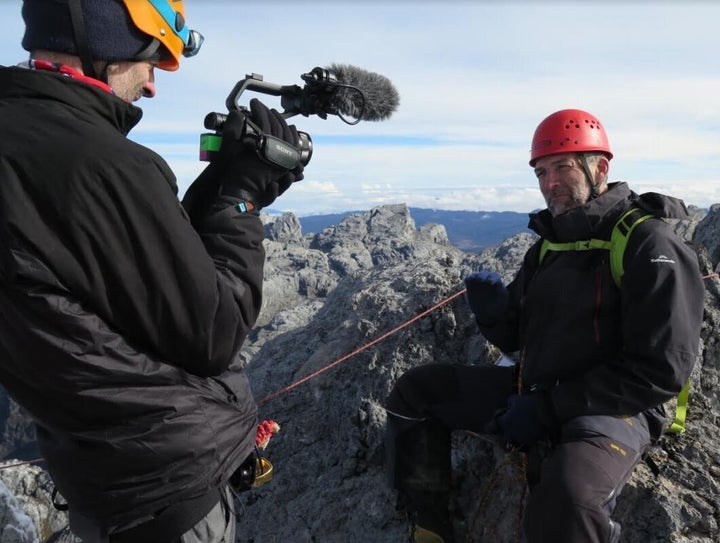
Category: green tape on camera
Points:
column 209, row 146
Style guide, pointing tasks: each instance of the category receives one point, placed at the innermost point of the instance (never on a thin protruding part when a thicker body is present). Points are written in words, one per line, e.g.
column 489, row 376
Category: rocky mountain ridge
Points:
column 346, row 311
column 469, row 231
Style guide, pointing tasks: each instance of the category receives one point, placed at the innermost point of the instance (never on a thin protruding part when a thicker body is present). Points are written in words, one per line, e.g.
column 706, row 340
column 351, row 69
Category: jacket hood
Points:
column 663, row 206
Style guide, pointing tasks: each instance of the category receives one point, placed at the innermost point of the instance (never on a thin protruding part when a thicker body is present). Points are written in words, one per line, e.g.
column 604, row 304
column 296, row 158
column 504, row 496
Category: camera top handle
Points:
column 321, row 95
column 255, row 82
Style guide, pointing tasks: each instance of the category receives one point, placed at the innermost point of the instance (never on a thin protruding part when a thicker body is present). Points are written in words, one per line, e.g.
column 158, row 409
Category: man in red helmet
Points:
column 597, row 358
column 123, row 311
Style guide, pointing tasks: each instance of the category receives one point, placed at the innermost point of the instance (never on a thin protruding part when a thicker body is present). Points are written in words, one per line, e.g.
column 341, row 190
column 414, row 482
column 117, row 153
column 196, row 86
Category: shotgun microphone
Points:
column 351, row 93
column 355, row 93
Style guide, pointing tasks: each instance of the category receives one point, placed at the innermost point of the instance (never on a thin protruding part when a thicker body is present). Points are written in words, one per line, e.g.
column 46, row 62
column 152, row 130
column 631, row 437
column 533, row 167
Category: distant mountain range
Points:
column 470, row 231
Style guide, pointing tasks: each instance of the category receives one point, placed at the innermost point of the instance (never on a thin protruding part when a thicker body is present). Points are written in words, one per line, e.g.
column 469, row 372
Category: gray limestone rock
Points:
column 351, row 308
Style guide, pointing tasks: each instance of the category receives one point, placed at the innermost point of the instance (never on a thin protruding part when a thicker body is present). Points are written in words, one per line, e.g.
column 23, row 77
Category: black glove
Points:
column 520, row 424
column 486, row 296
column 202, row 192
column 244, row 174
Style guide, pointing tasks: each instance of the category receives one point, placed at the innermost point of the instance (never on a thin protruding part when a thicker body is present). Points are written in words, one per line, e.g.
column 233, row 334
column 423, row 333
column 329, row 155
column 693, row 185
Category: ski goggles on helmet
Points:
column 164, row 20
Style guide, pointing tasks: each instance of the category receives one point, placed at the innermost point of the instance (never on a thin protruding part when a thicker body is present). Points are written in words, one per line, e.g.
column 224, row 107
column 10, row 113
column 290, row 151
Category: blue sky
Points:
column 474, row 78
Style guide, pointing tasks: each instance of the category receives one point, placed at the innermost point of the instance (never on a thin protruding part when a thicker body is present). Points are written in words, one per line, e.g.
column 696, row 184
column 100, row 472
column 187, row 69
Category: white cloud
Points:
column 312, row 186
column 474, row 80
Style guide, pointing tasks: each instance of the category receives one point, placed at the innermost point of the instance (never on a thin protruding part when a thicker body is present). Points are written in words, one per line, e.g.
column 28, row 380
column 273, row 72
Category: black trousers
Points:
column 579, row 479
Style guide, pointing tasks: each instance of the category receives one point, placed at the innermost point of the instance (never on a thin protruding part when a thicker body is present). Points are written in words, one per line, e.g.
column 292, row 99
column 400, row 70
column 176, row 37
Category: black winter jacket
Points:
column 593, row 348
column 120, row 322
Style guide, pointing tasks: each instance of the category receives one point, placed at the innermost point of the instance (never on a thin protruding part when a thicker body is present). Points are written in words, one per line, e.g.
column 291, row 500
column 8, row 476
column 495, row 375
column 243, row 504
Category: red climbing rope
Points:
column 358, row 350
column 336, row 362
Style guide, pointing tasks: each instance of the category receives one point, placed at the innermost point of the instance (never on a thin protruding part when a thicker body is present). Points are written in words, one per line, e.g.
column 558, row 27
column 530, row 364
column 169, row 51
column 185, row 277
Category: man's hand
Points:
column 519, row 425
column 486, row 296
column 244, row 174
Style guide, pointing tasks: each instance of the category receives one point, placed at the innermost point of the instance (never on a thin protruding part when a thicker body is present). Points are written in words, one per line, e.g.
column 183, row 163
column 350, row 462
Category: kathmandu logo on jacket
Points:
column 662, row 258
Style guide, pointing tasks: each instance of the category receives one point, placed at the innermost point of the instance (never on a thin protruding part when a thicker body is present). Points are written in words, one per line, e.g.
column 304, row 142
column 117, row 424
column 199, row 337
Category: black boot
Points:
column 429, row 517
column 418, row 464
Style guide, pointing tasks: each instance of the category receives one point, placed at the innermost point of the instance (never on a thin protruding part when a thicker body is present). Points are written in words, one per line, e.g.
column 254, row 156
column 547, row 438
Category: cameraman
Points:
column 123, row 311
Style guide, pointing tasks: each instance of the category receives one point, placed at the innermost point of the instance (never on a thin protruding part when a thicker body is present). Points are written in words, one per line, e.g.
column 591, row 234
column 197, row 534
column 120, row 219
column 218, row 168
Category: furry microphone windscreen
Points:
column 381, row 98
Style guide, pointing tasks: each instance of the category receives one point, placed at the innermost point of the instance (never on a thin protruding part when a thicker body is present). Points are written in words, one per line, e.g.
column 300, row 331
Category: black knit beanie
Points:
column 110, row 31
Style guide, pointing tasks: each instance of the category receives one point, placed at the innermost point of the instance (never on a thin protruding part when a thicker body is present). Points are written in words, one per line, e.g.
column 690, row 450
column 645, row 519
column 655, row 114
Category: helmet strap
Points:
column 582, row 159
column 81, row 41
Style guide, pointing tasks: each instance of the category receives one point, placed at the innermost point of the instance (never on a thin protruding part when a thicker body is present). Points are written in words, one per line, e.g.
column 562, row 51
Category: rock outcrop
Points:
column 351, row 308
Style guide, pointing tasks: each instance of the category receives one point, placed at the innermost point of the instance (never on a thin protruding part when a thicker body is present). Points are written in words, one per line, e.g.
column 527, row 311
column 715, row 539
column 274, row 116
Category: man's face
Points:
column 562, row 182
column 132, row 80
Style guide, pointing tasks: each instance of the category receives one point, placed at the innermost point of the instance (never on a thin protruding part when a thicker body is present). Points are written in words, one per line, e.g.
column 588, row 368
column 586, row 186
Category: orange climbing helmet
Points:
column 164, row 20
column 569, row 131
column 111, row 30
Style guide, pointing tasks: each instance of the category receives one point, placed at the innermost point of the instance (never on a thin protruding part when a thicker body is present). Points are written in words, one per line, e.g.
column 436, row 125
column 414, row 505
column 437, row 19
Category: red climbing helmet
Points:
column 569, row 131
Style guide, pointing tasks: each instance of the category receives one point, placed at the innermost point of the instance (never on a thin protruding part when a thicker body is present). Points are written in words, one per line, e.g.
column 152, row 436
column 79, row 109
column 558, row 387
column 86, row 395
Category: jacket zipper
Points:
column 598, row 300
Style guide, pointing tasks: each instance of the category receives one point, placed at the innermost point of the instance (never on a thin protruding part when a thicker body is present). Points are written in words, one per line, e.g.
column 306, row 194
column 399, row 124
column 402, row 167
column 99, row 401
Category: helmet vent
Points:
column 569, row 129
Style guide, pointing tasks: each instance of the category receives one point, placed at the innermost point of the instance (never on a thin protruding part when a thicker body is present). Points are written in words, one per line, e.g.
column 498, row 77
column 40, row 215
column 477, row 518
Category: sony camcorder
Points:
column 322, row 95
